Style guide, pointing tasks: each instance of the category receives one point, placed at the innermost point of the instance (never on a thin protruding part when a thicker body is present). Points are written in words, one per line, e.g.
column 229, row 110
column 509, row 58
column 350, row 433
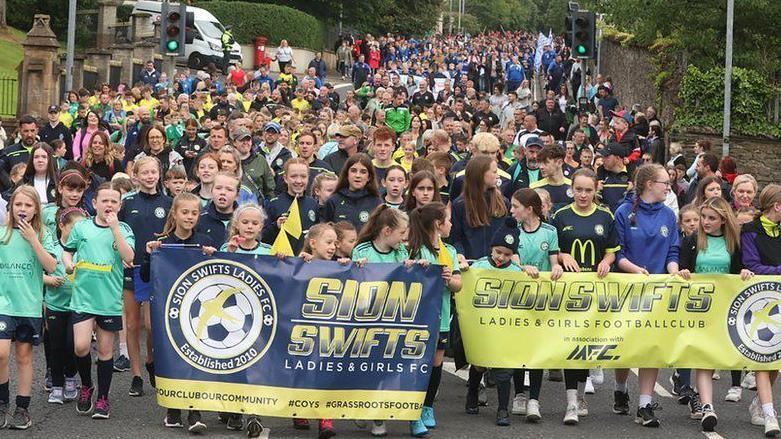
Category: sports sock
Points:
column 768, row 410
column 621, row 387
column 123, row 350
column 433, row 386
column 4, row 392
column 23, row 401
column 644, row 400
column 572, row 397
column 84, row 365
column 105, row 372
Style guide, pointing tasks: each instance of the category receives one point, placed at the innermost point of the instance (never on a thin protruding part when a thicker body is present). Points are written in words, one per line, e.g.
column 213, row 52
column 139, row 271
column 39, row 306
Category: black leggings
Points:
column 574, row 376
column 535, row 382
column 62, row 359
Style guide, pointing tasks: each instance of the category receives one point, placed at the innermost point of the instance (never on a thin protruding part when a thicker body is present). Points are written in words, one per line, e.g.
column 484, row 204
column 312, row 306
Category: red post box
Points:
column 260, row 52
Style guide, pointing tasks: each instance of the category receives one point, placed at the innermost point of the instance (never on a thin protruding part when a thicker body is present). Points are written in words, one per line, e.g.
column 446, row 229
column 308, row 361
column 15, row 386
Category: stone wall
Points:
column 756, row 156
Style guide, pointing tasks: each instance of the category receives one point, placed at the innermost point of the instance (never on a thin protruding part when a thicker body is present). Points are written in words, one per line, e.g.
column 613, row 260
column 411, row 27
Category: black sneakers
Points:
column 621, row 403
column 646, row 417
column 136, row 387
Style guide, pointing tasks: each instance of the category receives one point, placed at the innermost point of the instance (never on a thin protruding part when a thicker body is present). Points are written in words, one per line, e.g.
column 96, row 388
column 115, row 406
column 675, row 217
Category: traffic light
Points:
column 173, row 20
column 584, row 29
column 572, row 8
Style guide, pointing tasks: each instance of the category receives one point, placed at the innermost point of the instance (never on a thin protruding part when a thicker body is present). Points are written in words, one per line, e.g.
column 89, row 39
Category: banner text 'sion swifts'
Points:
column 623, row 320
column 253, row 334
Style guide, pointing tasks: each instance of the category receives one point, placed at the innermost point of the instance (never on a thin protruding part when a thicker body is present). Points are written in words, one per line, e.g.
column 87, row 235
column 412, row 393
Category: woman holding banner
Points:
column 647, row 233
column 760, row 242
column 588, row 243
column 714, row 248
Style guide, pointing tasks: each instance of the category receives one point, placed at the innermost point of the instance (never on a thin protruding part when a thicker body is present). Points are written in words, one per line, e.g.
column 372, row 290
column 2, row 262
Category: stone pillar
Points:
column 100, row 59
column 143, row 27
column 107, row 18
column 39, row 72
column 78, row 71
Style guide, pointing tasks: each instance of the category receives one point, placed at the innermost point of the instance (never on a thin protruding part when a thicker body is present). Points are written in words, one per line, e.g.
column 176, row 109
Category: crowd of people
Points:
column 440, row 153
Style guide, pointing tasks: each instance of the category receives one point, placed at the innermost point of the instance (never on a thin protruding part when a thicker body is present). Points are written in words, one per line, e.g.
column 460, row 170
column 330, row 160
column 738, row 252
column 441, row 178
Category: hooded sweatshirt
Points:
column 650, row 241
column 760, row 242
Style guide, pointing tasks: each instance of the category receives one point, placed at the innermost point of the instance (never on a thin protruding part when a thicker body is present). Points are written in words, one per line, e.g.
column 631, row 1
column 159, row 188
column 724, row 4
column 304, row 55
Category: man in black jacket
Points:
column 551, row 119
column 18, row 152
column 56, row 129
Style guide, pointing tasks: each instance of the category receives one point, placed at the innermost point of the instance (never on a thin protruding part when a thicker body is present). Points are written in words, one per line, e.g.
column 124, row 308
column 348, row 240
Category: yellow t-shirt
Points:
column 66, row 119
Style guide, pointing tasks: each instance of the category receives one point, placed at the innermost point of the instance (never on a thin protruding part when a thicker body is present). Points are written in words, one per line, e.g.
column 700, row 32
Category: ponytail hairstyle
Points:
column 233, row 226
column 479, row 211
column 770, row 196
column 411, row 203
column 729, row 226
column 315, row 232
column 383, row 216
column 36, row 221
column 68, row 215
column 423, row 225
column 644, row 175
column 530, row 198
column 170, row 221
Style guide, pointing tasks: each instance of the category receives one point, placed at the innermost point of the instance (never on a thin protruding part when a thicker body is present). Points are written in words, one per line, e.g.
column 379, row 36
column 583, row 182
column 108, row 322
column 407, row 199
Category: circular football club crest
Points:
column 280, row 162
column 599, row 229
column 160, row 213
column 664, row 231
column 311, row 215
column 509, row 239
column 544, row 246
column 363, row 216
column 570, row 193
column 221, row 316
column 754, row 322
column 197, row 147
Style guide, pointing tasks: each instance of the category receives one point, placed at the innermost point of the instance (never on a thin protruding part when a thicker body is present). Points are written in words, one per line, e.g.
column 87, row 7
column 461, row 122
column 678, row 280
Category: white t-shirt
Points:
column 41, row 184
column 284, row 54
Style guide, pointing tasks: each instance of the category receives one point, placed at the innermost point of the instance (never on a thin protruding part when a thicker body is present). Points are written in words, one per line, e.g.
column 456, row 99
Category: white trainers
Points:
column 582, row 406
column 734, row 394
column 519, row 404
column 571, row 416
column 749, row 382
column 71, row 390
column 590, row 386
column 56, row 396
column 755, row 411
column 533, row 411
column 378, row 429
column 716, row 375
column 771, row 425
column 597, row 376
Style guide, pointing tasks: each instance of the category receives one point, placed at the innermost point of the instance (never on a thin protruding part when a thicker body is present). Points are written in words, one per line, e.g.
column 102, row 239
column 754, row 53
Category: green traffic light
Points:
column 581, row 49
column 172, row 45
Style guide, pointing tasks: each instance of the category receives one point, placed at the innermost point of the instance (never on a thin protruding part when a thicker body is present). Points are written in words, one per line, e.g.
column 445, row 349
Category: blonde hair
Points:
column 233, row 226
column 770, row 195
column 317, row 184
column 315, row 232
column 36, row 222
column 744, row 178
column 146, row 160
column 729, row 227
column 170, row 221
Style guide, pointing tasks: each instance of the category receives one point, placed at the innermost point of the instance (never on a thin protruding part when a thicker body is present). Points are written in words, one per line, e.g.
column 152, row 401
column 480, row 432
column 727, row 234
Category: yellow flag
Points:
column 293, row 227
column 444, row 258
column 293, row 223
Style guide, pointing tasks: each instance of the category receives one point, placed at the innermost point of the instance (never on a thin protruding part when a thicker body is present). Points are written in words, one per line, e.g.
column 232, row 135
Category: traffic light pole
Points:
column 728, row 80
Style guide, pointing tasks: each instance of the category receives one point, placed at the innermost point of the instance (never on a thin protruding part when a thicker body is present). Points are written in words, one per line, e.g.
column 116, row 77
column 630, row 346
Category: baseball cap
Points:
column 614, row 148
column 240, row 133
column 272, row 126
column 349, row 130
column 623, row 114
column 534, row 141
column 54, row 109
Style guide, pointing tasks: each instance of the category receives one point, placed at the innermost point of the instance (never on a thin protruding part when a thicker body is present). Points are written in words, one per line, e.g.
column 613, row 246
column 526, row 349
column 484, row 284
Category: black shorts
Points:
column 443, row 340
column 21, row 329
column 106, row 323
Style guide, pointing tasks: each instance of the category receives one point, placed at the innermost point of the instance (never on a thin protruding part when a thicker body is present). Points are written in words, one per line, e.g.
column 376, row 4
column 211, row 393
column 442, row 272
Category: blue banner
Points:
column 254, row 334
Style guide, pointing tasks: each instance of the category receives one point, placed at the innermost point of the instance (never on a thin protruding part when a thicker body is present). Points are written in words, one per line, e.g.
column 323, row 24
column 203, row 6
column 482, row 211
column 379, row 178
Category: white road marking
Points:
column 661, row 391
column 450, row 367
column 712, row 435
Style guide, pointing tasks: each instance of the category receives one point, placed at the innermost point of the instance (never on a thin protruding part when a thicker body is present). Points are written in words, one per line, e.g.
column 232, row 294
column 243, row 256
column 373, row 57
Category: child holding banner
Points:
column 647, row 234
column 381, row 241
column 179, row 229
column 356, row 193
column 504, row 246
column 244, row 231
column 296, row 175
column 218, row 212
column 538, row 250
column 103, row 244
column 26, row 249
column 714, row 248
column 760, row 242
column 588, row 243
column 428, row 225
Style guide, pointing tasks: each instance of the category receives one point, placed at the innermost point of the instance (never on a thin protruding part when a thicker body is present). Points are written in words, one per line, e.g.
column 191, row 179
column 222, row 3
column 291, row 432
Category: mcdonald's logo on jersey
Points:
column 580, row 249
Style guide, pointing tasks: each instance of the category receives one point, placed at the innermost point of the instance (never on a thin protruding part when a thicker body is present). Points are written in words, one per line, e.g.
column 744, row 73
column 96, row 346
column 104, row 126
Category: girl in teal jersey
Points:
column 104, row 245
column 25, row 252
column 244, row 231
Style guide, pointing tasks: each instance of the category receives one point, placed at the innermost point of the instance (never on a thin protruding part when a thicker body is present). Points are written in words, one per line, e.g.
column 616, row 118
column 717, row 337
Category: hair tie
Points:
column 70, row 172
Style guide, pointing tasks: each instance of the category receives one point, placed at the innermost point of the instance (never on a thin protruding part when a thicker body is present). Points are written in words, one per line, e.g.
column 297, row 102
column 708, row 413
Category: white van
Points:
column 206, row 45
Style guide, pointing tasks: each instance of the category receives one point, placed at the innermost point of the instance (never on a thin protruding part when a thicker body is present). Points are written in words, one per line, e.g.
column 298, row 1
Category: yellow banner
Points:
column 288, row 402
column 713, row 321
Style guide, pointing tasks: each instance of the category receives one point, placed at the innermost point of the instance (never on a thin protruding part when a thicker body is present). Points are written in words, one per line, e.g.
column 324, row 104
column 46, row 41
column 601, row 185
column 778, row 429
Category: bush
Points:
column 702, row 96
column 250, row 20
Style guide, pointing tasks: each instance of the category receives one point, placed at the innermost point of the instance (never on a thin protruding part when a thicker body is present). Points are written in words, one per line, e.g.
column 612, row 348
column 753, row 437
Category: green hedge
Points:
column 250, row 20
column 702, row 99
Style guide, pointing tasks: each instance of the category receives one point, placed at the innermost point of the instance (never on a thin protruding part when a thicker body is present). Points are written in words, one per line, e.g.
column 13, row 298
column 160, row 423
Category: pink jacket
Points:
column 81, row 142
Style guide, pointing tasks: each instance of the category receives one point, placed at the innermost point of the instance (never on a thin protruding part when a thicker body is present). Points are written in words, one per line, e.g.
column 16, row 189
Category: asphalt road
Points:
column 142, row 418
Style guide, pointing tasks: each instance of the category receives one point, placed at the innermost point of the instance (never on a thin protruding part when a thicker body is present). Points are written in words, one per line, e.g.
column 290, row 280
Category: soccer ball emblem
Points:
column 221, row 316
column 763, row 322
